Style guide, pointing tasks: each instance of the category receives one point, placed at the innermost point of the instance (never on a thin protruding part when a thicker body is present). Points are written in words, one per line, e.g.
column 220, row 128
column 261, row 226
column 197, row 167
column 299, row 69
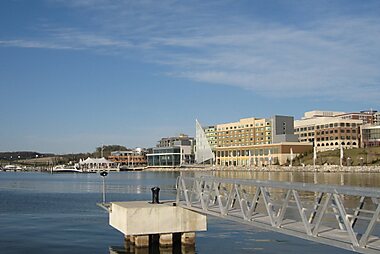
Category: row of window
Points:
column 246, row 135
column 336, row 144
column 226, row 144
column 252, row 152
column 244, row 131
column 244, row 126
column 324, row 126
column 336, row 131
column 334, row 138
column 244, row 139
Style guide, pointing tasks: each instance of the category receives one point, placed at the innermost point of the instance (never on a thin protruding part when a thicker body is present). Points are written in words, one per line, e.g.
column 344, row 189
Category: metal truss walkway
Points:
column 342, row 216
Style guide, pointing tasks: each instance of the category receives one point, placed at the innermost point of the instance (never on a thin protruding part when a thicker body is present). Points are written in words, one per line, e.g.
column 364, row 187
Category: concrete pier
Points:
column 188, row 238
column 142, row 240
column 166, row 240
column 143, row 223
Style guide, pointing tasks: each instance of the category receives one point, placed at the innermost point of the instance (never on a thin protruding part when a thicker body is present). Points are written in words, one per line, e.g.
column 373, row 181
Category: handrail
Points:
column 253, row 202
column 348, row 190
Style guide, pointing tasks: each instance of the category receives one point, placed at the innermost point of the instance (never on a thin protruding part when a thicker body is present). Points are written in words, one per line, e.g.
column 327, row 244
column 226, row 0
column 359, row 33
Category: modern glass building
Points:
column 172, row 152
column 165, row 156
column 370, row 135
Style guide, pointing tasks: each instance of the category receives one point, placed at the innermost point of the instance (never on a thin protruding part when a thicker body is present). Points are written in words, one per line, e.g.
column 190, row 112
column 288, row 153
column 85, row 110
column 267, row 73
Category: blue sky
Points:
column 75, row 74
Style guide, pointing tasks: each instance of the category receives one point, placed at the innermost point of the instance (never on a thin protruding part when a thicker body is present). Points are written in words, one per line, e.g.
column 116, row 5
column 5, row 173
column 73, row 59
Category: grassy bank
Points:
column 353, row 157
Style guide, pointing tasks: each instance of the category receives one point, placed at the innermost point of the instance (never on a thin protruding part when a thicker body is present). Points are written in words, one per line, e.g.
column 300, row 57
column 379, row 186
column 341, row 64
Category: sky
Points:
column 76, row 74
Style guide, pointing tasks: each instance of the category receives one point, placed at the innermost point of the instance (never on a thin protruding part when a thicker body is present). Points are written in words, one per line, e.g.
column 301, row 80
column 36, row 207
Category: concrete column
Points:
column 128, row 245
column 132, row 239
column 166, row 240
column 188, row 238
column 142, row 240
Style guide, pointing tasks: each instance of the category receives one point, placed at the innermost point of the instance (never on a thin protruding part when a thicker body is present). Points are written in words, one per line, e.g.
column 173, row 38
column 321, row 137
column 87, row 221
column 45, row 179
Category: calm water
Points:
column 57, row 213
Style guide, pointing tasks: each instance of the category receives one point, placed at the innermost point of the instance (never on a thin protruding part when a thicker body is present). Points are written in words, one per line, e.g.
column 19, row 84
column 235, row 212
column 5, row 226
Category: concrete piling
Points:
column 166, row 240
column 142, row 241
column 188, row 238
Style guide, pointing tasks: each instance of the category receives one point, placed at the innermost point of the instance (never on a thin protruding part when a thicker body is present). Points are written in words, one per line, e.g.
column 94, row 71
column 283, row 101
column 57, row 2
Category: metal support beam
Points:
column 265, row 204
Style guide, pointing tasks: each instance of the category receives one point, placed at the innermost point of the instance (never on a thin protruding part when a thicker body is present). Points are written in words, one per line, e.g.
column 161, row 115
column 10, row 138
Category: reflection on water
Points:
column 337, row 178
column 57, row 213
column 129, row 248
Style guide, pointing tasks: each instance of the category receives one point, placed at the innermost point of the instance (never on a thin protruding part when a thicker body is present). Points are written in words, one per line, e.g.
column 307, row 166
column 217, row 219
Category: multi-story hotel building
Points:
column 257, row 141
column 210, row 132
column 366, row 116
column 376, row 118
column 328, row 131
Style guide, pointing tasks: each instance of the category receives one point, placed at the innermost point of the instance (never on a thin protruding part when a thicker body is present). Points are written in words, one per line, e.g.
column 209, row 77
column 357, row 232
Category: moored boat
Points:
column 12, row 168
column 66, row 169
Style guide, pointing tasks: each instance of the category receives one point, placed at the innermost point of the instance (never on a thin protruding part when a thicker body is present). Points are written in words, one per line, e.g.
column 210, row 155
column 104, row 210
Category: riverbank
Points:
column 325, row 169
column 273, row 168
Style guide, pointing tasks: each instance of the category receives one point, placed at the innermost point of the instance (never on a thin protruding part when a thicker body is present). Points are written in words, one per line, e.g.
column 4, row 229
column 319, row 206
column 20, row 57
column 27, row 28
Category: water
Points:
column 57, row 213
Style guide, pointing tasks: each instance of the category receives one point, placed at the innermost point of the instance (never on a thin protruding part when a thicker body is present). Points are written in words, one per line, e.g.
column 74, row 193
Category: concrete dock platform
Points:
column 139, row 220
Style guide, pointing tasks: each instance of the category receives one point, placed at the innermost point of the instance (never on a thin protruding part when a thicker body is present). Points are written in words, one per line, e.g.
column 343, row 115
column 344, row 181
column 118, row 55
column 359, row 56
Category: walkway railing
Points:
column 342, row 216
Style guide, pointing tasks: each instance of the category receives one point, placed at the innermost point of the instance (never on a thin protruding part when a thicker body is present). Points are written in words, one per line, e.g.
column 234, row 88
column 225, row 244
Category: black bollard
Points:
column 155, row 195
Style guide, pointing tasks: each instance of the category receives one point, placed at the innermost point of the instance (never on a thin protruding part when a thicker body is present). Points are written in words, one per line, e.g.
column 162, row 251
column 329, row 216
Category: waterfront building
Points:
column 370, row 135
column 367, row 116
column 133, row 157
column 172, row 152
column 210, row 132
column 320, row 113
column 97, row 165
column 203, row 151
column 328, row 131
column 376, row 118
column 257, row 141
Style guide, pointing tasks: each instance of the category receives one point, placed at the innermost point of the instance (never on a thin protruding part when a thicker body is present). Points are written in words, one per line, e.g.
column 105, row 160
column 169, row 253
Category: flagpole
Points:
column 291, row 157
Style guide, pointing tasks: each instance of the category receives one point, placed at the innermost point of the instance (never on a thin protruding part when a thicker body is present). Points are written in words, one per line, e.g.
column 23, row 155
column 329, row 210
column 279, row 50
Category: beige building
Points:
column 257, row 141
column 328, row 132
column 210, row 132
column 376, row 118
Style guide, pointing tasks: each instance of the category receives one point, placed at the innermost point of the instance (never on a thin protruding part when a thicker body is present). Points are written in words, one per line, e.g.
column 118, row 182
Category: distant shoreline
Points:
column 317, row 168
column 308, row 168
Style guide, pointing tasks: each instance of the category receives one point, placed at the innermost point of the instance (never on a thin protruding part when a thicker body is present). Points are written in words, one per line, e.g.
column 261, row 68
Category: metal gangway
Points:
column 341, row 216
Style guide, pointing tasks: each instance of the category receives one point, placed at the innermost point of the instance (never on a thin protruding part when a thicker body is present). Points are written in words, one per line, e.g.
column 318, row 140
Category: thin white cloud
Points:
column 34, row 44
column 328, row 60
column 335, row 56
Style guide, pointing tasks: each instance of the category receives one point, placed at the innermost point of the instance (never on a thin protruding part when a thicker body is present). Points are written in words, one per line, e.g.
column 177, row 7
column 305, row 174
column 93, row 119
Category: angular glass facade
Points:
column 165, row 156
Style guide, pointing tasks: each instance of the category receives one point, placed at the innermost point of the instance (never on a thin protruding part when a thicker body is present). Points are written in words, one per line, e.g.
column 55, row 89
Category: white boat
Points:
column 65, row 168
column 12, row 168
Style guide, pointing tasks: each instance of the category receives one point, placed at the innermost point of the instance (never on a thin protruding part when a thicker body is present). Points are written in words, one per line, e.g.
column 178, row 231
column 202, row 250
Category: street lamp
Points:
column 103, row 174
